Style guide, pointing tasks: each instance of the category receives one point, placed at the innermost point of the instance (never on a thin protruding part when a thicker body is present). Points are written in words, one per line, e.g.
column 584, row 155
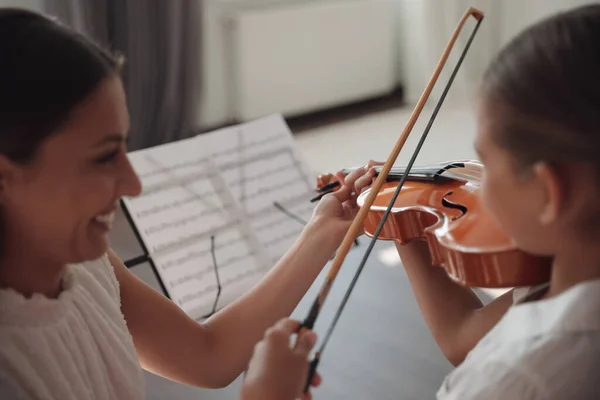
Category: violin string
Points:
column 467, row 175
column 390, row 206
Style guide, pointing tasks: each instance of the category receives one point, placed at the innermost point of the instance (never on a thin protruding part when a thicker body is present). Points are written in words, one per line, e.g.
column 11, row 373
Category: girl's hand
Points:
column 339, row 208
column 278, row 371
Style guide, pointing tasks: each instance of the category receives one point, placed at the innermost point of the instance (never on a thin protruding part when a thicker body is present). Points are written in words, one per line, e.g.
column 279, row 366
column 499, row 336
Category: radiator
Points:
column 306, row 56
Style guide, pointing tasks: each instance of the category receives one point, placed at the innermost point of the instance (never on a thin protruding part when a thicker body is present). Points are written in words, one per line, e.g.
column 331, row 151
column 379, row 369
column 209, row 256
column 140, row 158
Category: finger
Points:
column 364, row 181
column 347, row 190
column 354, row 175
column 305, row 343
column 341, row 177
column 342, row 180
column 316, row 380
column 343, row 194
column 287, row 325
column 373, row 163
column 259, row 347
column 281, row 331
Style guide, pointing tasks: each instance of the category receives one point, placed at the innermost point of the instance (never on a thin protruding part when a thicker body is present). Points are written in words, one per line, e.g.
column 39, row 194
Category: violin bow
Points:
column 358, row 222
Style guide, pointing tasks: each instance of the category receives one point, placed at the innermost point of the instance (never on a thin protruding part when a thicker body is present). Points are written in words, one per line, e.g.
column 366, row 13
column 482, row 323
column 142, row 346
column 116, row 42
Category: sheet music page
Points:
column 261, row 165
column 245, row 185
column 181, row 206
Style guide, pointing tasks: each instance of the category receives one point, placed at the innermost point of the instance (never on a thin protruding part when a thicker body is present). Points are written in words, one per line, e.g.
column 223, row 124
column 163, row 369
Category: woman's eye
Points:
column 107, row 158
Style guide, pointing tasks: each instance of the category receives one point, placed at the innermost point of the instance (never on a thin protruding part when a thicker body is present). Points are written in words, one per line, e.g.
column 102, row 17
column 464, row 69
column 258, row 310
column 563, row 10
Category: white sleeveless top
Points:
column 74, row 347
column 546, row 349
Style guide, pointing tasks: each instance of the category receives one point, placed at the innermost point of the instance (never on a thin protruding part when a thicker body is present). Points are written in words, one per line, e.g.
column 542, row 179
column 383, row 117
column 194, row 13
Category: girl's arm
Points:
column 456, row 317
column 214, row 353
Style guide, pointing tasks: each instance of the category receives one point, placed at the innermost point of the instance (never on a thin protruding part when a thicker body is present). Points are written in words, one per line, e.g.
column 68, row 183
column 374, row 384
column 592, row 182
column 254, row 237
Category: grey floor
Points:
column 381, row 348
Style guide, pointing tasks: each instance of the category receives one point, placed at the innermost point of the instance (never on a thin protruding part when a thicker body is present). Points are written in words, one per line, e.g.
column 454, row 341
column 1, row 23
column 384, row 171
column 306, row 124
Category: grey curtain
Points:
column 160, row 40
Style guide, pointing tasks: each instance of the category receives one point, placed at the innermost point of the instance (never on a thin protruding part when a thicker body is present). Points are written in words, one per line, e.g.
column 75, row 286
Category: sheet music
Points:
column 189, row 276
column 246, row 185
column 261, row 166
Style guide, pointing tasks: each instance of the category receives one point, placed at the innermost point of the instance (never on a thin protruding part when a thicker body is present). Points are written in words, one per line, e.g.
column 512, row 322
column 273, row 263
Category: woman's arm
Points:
column 212, row 354
column 456, row 317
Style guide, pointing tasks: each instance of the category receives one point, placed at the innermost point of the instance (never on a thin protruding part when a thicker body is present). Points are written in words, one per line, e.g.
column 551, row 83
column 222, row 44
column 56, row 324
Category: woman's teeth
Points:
column 106, row 219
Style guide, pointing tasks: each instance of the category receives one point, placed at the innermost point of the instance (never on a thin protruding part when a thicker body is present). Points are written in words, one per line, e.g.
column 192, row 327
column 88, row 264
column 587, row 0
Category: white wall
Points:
column 214, row 85
column 425, row 26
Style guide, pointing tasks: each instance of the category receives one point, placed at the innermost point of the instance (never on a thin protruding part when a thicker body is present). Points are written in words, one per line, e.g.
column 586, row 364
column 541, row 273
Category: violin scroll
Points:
column 326, row 182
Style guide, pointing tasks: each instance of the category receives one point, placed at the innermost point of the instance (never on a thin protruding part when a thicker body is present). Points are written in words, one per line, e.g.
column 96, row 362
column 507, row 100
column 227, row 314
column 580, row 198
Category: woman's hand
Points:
column 339, row 208
column 278, row 371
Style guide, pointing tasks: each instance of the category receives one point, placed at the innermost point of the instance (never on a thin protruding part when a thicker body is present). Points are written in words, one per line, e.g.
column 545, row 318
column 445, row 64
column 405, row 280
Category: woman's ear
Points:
column 553, row 194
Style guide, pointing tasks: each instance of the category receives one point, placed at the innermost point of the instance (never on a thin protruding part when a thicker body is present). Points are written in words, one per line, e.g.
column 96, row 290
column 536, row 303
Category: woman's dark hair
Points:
column 544, row 88
column 46, row 70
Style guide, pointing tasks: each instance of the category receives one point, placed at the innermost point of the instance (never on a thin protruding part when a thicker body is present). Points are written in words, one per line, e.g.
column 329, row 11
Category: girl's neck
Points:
column 579, row 264
column 29, row 274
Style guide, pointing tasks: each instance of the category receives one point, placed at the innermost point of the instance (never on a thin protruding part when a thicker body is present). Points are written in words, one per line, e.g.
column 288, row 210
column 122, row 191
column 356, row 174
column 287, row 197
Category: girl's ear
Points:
column 553, row 192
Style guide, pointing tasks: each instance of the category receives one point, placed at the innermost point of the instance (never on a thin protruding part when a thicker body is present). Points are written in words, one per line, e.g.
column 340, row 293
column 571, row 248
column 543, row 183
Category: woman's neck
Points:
column 578, row 264
column 29, row 274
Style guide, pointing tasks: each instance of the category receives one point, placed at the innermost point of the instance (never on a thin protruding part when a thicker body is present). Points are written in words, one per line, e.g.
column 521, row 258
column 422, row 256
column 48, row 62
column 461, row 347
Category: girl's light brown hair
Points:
column 544, row 89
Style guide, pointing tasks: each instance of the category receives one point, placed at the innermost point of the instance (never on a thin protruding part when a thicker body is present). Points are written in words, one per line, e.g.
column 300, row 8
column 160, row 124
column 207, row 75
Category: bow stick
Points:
column 358, row 222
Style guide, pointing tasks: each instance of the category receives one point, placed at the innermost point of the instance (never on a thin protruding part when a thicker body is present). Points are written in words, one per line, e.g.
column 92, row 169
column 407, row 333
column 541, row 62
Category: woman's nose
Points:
column 130, row 184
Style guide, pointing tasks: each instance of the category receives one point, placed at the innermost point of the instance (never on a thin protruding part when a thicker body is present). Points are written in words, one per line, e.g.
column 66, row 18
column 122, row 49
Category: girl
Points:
column 539, row 139
column 74, row 322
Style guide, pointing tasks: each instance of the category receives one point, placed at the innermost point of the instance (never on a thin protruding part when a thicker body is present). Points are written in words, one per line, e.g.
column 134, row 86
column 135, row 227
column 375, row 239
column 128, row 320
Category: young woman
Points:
column 74, row 322
column 539, row 139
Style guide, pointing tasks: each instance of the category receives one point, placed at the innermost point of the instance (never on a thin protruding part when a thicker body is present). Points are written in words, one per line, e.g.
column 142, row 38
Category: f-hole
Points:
column 449, row 204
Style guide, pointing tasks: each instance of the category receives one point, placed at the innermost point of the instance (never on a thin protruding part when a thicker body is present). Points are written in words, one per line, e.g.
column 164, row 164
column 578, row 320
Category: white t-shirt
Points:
column 74, row 347
column 542, row 349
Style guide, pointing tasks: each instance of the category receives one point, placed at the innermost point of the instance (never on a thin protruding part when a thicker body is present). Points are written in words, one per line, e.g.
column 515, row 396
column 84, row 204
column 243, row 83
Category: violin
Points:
column 448, row 213
column 441, row 205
